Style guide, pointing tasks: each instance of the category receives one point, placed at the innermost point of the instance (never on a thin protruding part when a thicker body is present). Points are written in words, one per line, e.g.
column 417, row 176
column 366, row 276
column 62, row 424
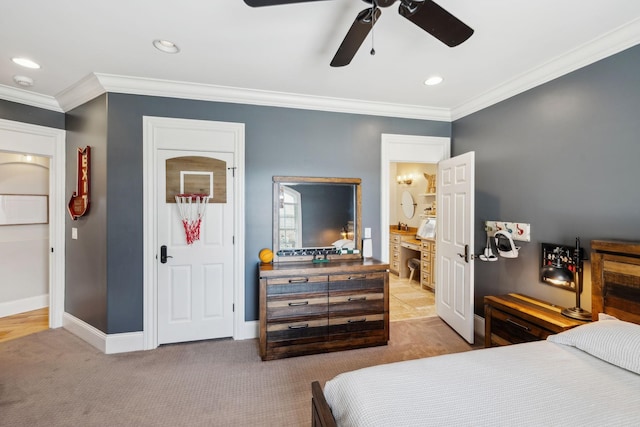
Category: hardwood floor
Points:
column 22, row 324
column 407, row 300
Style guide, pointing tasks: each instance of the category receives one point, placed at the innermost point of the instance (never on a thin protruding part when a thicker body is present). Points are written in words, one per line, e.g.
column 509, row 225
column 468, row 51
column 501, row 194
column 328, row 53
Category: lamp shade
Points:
column 558, row 275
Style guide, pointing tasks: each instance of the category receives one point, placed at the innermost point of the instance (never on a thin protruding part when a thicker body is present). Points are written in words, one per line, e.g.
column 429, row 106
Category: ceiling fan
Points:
column 424, row 13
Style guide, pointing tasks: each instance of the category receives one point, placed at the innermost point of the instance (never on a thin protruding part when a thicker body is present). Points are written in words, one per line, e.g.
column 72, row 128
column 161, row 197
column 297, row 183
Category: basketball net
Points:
column 192, row 208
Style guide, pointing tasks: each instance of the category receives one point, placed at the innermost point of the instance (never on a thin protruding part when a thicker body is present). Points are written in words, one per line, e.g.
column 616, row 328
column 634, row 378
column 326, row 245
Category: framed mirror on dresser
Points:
column 319, row 294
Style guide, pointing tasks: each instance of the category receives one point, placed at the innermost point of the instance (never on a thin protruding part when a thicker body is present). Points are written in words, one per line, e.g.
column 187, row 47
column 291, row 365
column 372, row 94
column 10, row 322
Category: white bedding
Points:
column 535, row 384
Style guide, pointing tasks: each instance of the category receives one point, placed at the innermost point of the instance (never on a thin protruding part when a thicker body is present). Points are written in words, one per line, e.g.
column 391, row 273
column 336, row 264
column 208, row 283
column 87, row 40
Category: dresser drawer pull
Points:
column 298, row 304
column 357, row 299
column 304, row 326
column 513, row 322
column 357, row 277
column 305, row 280
column 364, row 319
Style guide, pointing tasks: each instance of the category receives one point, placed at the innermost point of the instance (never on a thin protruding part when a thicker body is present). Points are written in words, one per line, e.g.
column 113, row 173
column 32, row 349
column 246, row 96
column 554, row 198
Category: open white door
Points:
column 454, row 268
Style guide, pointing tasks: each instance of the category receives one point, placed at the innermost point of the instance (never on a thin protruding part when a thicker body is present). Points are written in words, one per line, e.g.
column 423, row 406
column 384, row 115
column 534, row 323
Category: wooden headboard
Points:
column 615, row 279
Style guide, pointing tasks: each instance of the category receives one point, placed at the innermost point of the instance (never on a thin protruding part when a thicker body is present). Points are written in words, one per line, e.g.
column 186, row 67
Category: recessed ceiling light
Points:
column 23, row 81
column 433, row 80
column 166, row 46
column 27, row 63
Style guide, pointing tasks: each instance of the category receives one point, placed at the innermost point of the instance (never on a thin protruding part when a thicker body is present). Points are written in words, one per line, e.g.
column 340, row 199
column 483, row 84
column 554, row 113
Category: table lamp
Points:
column 558, row 273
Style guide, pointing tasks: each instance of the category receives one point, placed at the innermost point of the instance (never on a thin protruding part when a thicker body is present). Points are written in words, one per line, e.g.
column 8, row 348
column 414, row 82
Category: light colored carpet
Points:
column 53, row 378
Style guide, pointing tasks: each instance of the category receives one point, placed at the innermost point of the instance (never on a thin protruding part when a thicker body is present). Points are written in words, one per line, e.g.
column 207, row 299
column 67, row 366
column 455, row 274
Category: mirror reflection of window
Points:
column 290, row 215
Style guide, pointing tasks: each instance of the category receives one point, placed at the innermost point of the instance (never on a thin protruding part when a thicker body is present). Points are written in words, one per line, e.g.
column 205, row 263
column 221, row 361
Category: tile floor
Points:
column 407, row 300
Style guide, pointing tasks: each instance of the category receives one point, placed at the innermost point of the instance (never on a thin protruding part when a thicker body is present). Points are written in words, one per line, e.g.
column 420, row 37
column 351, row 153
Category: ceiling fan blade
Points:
column 260, row 3
column 355, row 37
column 436, row 21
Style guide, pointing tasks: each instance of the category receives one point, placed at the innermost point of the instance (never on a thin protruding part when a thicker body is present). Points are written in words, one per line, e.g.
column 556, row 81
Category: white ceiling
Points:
column 283, row 52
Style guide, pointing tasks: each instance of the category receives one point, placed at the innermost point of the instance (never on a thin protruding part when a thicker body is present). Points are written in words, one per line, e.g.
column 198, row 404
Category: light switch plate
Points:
column 74, row 233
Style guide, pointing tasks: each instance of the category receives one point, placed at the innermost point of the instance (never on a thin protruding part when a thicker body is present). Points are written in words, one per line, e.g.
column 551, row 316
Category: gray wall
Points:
column 278, row 141
column 86, row 257
column 565, row 157
column 32, row 115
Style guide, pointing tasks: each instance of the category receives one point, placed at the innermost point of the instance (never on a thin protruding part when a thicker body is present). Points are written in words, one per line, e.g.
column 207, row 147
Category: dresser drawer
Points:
column 357, row 281
column 362, row 302
column 426, row 245
column 507, row 328
column 395, row 238
column 309, row 330
column 356, row 324
column 297, row 285
column 289, row 307
column 425, row 256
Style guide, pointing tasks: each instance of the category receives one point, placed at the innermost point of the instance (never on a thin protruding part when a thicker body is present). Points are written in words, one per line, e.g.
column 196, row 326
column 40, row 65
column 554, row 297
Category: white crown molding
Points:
column 206, row 92
column 83, row 91
column 609, row 44
column 26, row 97
column 96, row 84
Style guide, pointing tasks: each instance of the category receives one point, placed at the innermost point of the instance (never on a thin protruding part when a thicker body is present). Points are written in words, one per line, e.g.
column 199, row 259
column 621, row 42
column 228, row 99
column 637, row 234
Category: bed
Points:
column 587, row 376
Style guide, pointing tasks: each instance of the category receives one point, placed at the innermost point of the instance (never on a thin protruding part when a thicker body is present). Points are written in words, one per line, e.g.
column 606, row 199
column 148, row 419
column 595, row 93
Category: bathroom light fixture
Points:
column 166, row 46
column 23, row 81
column 433, row 80
column 25, row 62
column 566, row 268
column 405, row 179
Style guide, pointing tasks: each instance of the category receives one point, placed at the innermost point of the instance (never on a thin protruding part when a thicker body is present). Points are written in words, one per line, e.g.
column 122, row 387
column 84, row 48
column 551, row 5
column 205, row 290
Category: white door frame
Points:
column 150, row 249
column 405, row 149
column 18, row 137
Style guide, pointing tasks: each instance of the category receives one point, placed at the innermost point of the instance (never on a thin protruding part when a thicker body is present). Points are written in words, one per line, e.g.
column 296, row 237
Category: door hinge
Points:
column 51, row 250
column 233, row 171
column 233, row 307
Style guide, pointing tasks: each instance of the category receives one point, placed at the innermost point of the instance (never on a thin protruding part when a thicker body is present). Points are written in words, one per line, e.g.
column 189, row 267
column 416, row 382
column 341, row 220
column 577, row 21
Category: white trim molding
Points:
column 106, row 343
column 408, row 149
column 28, row 97
column 18, row 137
column 9, row 308
column 241, row 329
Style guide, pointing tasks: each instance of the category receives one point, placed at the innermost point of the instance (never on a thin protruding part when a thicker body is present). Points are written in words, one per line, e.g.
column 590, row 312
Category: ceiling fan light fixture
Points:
column 25, row 62
column 166, row 46
column 433, row 80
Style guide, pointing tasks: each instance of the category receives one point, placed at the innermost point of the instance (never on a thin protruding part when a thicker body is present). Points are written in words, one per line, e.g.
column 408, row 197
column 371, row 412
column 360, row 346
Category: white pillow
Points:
column 611, row 340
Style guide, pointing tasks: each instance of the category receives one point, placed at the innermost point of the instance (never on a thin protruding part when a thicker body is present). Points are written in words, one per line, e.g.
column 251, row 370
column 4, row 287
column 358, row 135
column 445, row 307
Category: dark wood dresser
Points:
column 516, row 318
column 308, row 308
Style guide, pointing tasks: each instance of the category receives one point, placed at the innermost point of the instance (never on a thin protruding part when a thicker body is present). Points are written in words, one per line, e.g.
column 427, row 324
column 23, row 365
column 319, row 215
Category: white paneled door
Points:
column 455, row 280
column 195, row 282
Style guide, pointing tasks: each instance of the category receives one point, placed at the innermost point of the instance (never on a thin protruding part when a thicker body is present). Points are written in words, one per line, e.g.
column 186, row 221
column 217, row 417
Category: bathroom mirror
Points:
column 408, row 205
column 316, row 217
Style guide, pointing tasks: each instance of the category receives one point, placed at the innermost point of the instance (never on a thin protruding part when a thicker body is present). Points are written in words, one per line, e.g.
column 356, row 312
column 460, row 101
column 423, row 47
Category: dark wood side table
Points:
column 517, row 318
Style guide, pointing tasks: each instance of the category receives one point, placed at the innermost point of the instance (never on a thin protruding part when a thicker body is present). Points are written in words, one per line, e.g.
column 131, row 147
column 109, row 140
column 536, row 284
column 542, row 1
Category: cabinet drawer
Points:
column 307, row 330
column 425, row 256
column 284, row 307
column 426, row 267
column 357, row 281
column 513, row 329
column 297, row 285
column 364, row 302
column 395, row 238
column 350, row 324
column 395, row 265
column 426, row 245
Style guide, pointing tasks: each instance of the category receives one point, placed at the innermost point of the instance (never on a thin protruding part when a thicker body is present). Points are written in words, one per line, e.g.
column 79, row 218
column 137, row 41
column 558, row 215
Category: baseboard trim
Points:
column 248, row 330
column 478, row 325
column 130, row 341
column 10, row 308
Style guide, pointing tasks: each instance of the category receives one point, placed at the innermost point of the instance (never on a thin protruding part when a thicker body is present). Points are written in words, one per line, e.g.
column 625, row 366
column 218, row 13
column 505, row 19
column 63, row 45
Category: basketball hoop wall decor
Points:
column 79, row 203
column 192, row 182
column 192, row 209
